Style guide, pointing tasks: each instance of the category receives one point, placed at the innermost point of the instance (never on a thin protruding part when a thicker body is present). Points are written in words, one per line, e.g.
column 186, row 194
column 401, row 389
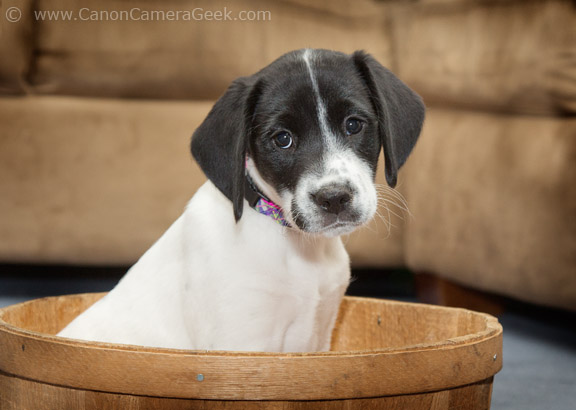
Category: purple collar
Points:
column 259, row 202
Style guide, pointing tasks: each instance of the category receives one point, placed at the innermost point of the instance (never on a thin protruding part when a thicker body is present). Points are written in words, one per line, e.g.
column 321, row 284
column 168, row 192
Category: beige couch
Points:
column 96, row 116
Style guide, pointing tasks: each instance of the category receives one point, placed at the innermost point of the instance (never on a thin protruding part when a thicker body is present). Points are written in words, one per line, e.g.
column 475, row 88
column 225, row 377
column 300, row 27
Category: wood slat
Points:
column 28, row 395
column 369, row 358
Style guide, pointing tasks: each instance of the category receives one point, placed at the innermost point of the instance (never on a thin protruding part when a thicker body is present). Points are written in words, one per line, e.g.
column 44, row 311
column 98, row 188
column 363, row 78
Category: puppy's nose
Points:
column 333, row 199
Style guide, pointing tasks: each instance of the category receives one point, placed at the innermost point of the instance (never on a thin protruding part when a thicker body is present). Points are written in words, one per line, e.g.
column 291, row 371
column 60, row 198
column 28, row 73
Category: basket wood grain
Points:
column 385, row 355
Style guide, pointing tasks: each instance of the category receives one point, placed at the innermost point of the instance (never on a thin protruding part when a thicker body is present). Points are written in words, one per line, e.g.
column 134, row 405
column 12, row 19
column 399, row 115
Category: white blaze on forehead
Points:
column 308, row 57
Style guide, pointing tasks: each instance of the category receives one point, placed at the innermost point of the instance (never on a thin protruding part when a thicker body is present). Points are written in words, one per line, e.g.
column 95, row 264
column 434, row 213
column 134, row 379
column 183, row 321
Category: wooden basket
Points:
column 385, row 355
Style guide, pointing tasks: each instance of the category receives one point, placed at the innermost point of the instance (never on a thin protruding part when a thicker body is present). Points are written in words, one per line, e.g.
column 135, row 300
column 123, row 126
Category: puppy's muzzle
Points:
column 333, row 199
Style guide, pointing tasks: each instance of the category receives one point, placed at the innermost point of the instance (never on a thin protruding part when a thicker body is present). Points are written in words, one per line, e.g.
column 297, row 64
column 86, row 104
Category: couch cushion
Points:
column 99, row 180
column 515, row 56
column 15, row 45
column 494, row 204
column 92, row 181
column 125, row 55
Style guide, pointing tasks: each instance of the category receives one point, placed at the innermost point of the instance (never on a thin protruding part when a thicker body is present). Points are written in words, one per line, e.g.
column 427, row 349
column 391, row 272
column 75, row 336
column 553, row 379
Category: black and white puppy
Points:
column 298, row 142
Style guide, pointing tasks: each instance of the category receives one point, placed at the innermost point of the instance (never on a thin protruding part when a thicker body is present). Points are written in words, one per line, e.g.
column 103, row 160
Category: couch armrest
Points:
column 494, row 204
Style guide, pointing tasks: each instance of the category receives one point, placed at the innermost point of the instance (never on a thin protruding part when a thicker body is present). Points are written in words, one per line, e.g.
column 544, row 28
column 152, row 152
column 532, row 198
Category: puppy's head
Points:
column 308, row 129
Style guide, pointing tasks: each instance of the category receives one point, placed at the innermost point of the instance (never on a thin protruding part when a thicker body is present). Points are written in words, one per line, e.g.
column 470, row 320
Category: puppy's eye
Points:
column 354, row 126
column 283, row 139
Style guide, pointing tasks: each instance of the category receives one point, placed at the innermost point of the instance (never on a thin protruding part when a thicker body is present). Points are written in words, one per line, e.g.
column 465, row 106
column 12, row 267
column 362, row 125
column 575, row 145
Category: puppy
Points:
column 255, row 262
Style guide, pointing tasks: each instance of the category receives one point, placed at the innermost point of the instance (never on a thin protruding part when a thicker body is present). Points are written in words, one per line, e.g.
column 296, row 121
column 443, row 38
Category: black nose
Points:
column 333, row 199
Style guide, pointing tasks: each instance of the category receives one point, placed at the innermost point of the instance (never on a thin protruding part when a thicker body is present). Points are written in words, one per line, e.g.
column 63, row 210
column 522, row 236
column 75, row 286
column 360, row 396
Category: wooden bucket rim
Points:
column 264, row 375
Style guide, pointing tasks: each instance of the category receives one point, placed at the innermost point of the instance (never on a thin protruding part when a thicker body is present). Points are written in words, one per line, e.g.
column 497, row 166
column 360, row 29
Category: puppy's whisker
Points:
column 385, row 202
column 390, row 202
column 388, row 219
column 383, row 218
column 397, row 197
column 392, row 197
column 399, row 202
column 386, row 224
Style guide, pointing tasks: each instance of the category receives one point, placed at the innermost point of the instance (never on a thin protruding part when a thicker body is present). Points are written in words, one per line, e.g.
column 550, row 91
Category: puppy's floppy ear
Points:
column 219, row 143
column 400, row 112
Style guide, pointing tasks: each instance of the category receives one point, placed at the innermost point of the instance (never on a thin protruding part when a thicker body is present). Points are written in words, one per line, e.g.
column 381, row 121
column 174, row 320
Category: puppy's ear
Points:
column 219, row 143
column 400, row 112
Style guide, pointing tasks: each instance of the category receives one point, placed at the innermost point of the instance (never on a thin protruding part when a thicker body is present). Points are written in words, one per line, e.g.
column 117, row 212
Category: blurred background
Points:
column 98, row 101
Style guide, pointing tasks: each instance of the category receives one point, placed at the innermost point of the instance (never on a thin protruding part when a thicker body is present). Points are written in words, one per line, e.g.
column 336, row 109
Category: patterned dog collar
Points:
column 259, row 202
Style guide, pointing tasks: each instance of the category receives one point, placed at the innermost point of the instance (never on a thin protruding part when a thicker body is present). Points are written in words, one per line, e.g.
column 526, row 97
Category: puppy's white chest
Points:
column 272, row 289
